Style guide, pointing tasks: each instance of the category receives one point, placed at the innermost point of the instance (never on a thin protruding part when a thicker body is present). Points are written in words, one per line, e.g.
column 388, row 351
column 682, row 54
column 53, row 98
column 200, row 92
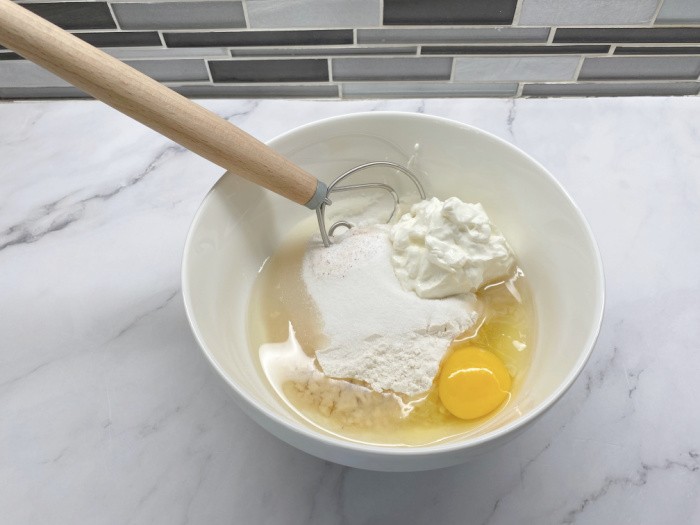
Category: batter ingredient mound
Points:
column 378, row 332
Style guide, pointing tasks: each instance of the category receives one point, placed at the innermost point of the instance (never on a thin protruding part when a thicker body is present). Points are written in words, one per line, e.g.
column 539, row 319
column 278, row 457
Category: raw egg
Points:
column 473, row 382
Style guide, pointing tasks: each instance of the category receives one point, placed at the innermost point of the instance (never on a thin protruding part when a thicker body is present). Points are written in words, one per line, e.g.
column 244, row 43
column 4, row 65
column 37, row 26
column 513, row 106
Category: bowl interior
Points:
column 239, row 225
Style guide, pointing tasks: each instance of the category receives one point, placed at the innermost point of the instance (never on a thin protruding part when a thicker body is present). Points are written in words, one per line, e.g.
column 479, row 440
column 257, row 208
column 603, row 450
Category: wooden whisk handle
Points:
column 151, row 103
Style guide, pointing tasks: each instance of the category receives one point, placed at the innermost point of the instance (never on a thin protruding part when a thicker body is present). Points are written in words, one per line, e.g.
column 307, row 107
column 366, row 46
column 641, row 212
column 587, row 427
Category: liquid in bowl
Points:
column 349, row 409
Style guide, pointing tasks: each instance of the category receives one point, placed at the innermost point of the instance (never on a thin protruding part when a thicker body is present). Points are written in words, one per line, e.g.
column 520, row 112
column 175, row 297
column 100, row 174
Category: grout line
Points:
column 690, row 23
column 206, row 66
column 431, row 81
column 516, row 15
column 656, row 13
column 675, row 25
column 278, row 58
column 550, row 38
column 578, row 69
column 354, row 36
column 95, row 30
column 320, row 46
column 246, row 17
column 324, row 56
column 340, row 91
column 295, row 29
column 330, row 70
column 227, row 29
column 666, row 25
column 659, row 44
column 381, row 13
column 645, row 25
column 452, row 70
column 446, row 82
column 114, row 16
column 391, row 46
column 440, row 82
column 519, row 91
column 245, row 84
column 613, row 47
column 162, row 40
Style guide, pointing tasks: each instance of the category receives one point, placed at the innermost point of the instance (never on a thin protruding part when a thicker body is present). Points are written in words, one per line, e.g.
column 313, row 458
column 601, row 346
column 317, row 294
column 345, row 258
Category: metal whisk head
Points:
column 334, row 188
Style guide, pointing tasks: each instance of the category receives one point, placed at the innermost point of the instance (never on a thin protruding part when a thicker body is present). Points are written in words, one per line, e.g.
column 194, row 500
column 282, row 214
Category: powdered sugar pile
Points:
column 378, row 332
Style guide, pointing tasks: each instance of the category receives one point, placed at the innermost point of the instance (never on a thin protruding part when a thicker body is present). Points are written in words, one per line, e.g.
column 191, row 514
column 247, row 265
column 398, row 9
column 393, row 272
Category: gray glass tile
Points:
column 586, row 12
column 453, row 35
column 448, row 12
column 322, row 51
column 259, row 91
column 9, row 56
column 602, row 89
column 178, row 52
column 75, row 15
column 634, row 35
column 513, row 50
column 21, row 73
column 293, row 70
column 664, row 50
column 314, row 13
column 640, row 68
column 426, row 89
column 122, row 39
column 24, row 73
column 392, row 68
column 679, row 12
column 180, row 15
column 38, row 93
column 516, row 69
column 172, row 70
column 259, row 38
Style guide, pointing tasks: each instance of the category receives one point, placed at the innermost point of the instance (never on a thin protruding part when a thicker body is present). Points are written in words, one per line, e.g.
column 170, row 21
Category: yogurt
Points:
column 445, row 248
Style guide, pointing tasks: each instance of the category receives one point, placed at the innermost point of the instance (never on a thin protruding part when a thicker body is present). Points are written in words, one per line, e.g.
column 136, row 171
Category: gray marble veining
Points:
column 110, row 415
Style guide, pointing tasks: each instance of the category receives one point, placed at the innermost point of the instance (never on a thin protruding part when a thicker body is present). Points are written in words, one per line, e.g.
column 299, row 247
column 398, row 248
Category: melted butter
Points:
column 282, row 313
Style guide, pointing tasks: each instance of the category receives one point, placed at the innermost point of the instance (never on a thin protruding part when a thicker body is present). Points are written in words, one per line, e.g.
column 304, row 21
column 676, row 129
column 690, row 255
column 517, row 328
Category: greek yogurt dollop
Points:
column 444, row 248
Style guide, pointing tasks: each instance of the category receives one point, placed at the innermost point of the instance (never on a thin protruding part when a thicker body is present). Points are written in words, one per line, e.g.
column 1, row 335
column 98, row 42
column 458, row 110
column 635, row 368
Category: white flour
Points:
column 378, row 332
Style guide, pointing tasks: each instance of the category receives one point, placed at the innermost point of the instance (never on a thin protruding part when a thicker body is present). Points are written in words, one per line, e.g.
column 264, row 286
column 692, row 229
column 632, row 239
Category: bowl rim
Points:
column 419, row 450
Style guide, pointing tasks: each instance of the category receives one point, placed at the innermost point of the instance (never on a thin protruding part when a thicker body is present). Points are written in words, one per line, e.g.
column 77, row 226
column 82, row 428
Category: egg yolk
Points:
column 473, row 382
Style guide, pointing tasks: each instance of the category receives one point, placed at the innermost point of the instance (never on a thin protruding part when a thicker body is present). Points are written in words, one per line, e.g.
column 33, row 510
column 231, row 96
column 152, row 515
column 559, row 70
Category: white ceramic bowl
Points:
column 239, row 225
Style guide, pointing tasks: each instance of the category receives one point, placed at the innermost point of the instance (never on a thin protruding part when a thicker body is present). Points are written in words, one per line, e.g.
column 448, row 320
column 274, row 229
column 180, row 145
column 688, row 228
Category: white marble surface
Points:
column 110, row 415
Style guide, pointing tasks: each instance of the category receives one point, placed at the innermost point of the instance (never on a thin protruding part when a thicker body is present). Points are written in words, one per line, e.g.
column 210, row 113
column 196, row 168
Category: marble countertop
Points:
column 109, row 414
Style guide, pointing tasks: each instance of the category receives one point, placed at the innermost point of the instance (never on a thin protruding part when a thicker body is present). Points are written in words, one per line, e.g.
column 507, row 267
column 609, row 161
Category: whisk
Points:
column 181, row 120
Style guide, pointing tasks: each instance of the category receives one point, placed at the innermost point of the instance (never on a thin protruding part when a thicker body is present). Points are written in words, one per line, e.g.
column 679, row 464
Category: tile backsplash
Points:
column 383, row 48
